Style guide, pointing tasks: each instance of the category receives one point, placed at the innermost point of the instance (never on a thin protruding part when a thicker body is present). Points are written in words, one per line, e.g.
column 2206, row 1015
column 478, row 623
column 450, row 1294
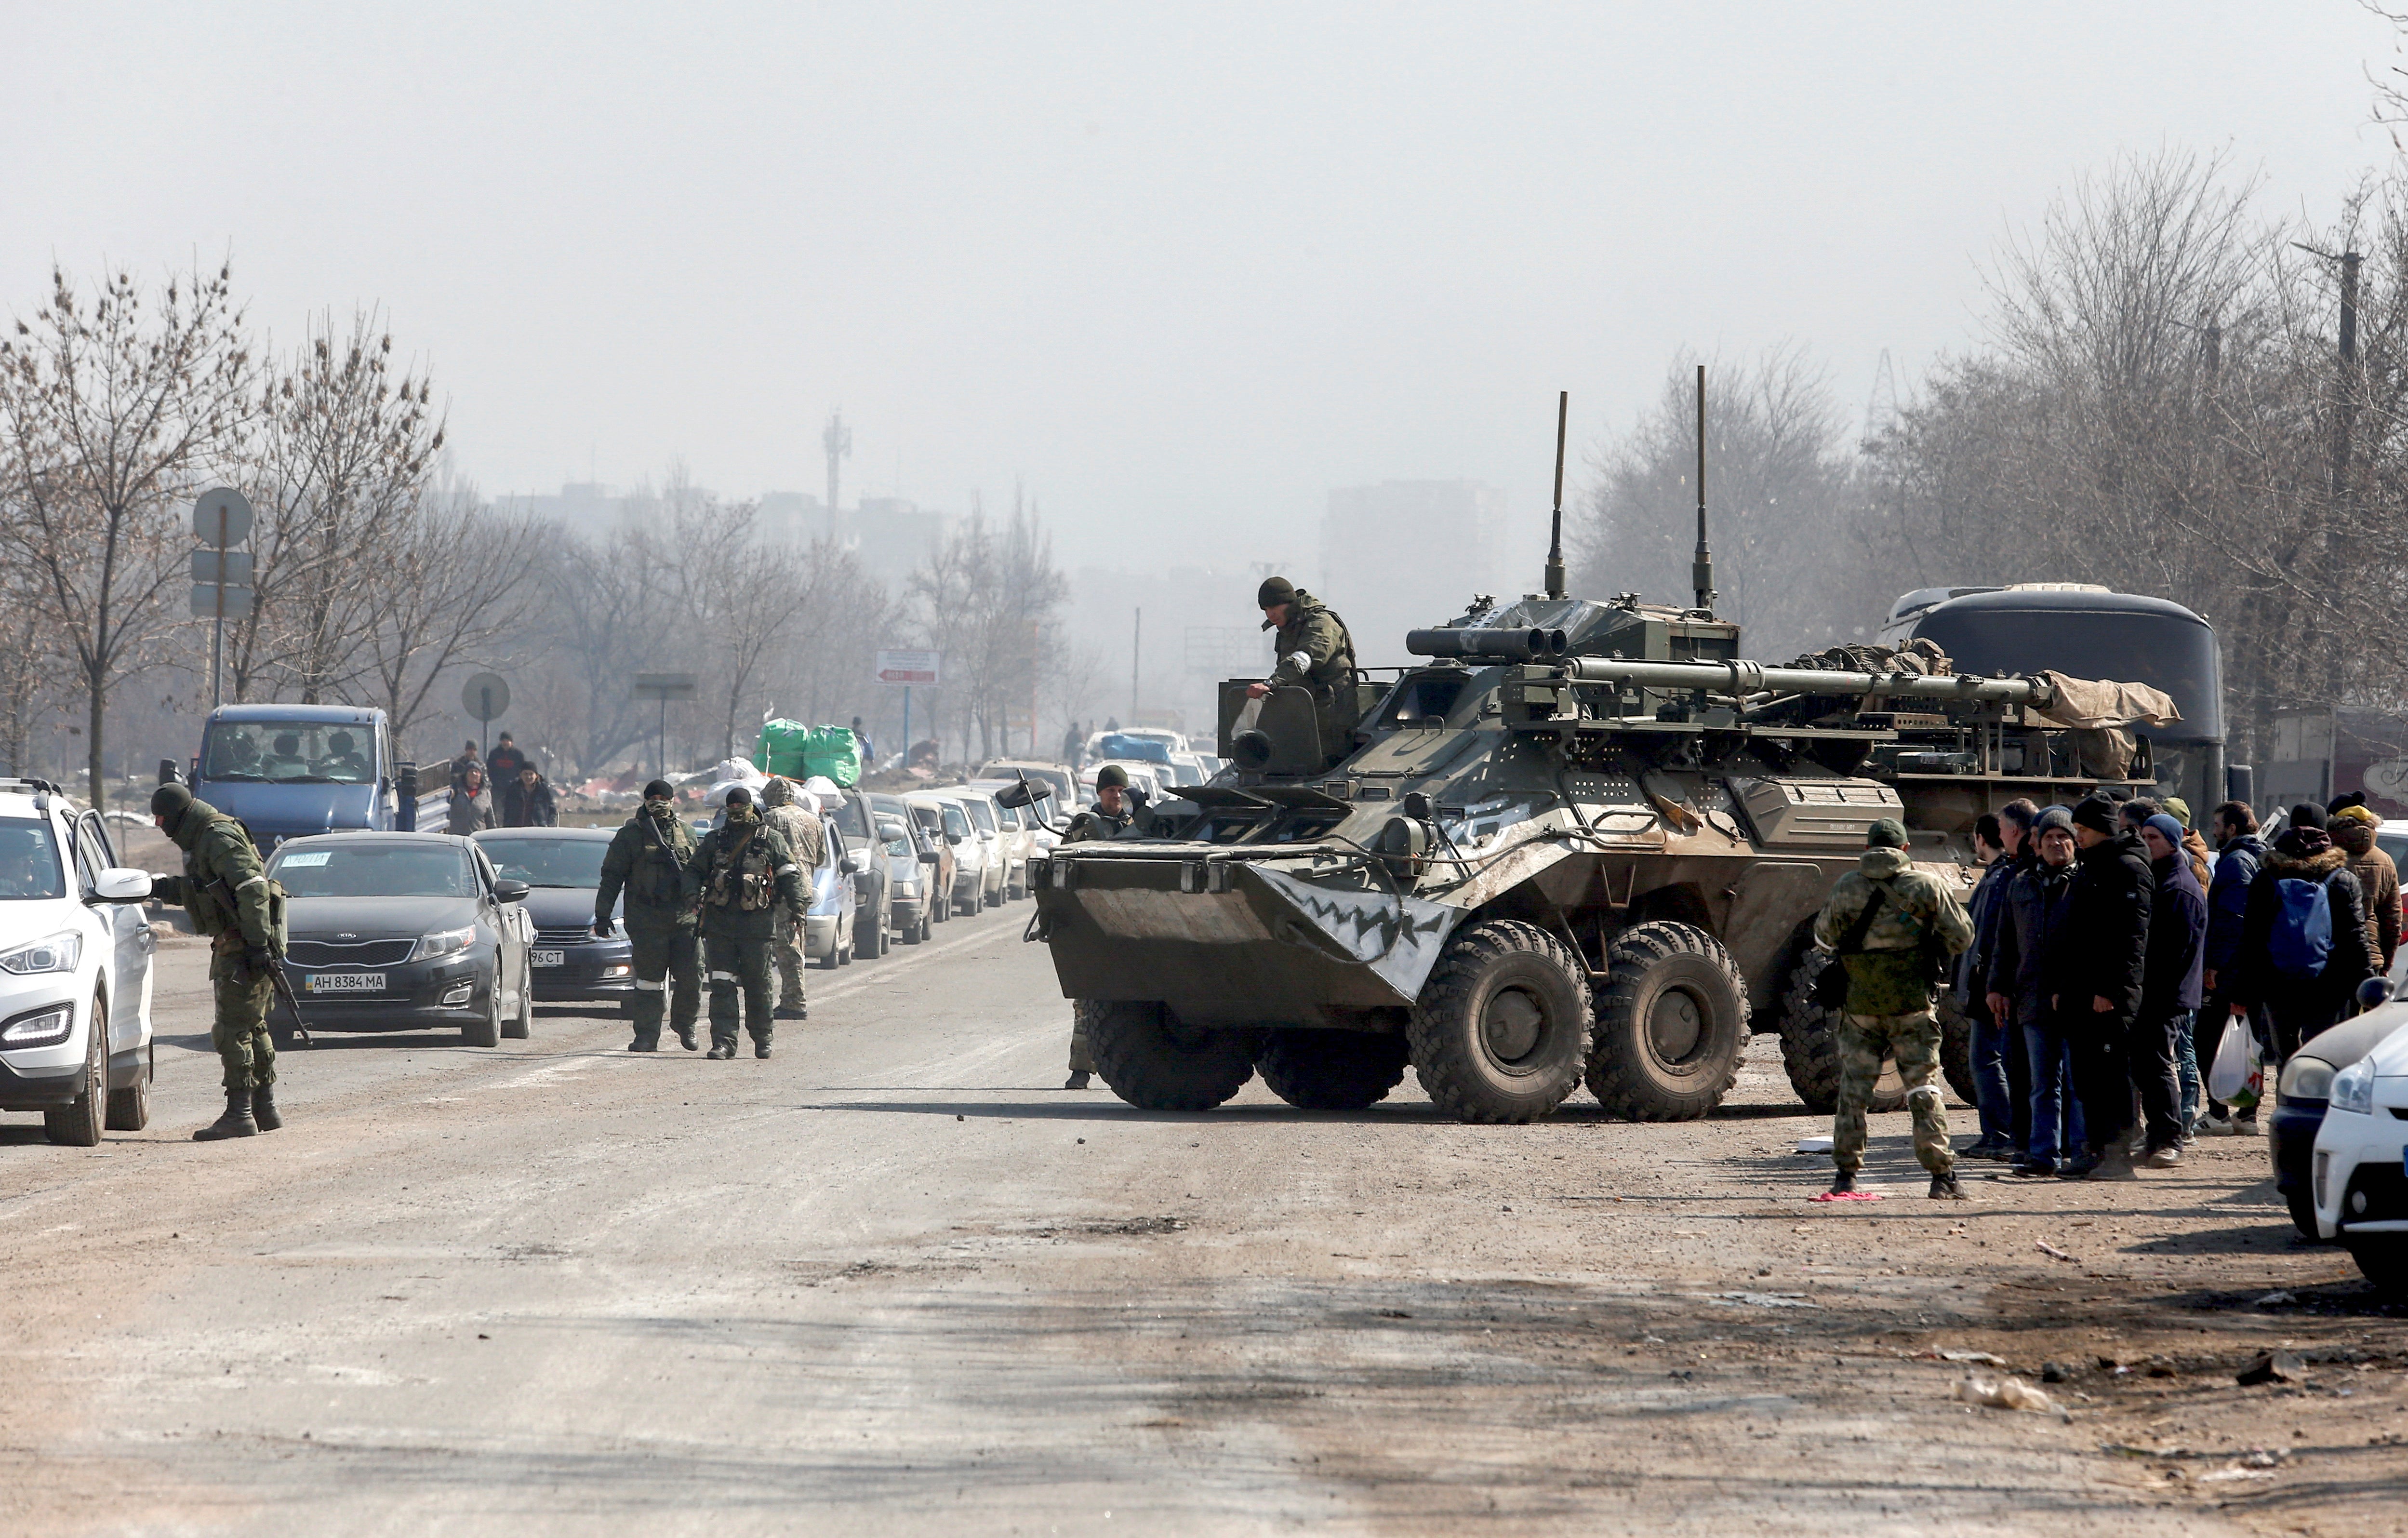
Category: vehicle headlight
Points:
column 443, row 942
column 57, row 952
column 2353, row 1088
column 2305, row 1078
column 907, row 888
column 45, row 1029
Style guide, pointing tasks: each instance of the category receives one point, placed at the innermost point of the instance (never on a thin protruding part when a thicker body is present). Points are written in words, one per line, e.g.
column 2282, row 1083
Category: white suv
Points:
column 75, row 969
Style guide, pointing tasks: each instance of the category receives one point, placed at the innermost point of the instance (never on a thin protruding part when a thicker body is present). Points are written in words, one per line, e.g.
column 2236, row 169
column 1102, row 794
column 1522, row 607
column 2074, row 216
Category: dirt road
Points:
column 895, row 1279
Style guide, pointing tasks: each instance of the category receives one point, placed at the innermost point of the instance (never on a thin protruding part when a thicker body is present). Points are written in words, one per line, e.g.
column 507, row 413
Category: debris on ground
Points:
column 2272, row 1367
column 2276, row 1299
column 1771, row 1299
column 2052, row 1252
column 2007, row 1393
column 1846, row 1196
column 1984, row 1358
column 1814, row 1145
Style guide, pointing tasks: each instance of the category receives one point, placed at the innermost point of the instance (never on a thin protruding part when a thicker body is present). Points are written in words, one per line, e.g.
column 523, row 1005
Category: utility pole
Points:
column 1137, row 634
column 836, row 439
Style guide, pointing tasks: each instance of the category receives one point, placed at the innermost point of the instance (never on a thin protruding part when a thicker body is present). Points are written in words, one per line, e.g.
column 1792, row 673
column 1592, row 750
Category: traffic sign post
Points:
column 221, row 517
column 485, row 696
column 908, row 668
column 663, row 687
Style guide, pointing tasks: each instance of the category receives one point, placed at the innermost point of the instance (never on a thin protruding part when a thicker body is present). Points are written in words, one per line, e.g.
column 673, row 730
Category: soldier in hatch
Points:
column 1314, row 654
column 225, row 890
column 647, row 860
column 747, row 872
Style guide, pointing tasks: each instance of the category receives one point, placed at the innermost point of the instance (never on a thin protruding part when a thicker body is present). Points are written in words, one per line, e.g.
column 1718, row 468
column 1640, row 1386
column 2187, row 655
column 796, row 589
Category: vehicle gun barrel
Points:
column 1746, row 679
column 1514, row 645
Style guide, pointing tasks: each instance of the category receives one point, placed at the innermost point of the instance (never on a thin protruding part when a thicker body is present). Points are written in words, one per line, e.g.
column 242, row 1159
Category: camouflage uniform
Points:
column 227, row 891
column 1890, row 997
column 1093, row 824
column 808, row 841
column 647, row 860
column 745, row 869
column 1327, row 670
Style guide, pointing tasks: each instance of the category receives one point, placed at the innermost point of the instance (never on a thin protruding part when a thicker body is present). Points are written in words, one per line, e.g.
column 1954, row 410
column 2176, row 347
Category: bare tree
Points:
column 449, row 587
column 112, row 405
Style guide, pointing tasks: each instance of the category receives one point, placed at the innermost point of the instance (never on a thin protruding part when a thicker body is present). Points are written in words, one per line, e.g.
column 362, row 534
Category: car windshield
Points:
column 2395, row 845
column 326, row 753
column 375, row 870
column 1185, row 774
column 548, row 862
column 29, row 859
column 898, row 840
column 980, row 813
column 956, row 823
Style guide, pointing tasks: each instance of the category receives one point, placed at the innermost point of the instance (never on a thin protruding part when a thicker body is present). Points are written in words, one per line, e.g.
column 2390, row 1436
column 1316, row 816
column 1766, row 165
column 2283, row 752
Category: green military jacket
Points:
column 1921, row 924
column 225, row 888
column 1314, row 652
column 648, row 860
column 803, row 833
column 746, row 872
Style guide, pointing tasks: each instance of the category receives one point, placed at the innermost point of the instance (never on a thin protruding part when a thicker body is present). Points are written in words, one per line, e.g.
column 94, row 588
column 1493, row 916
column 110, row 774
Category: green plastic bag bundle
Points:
column 835, row 752
column 780, row 749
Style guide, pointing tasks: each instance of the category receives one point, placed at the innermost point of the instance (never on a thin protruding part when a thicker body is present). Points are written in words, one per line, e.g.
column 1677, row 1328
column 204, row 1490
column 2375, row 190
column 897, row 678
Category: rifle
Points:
column 283, row 985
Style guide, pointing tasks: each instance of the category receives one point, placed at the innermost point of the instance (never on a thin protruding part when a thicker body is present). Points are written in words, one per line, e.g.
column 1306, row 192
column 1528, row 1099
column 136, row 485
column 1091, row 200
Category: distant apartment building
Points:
column 1408, row 553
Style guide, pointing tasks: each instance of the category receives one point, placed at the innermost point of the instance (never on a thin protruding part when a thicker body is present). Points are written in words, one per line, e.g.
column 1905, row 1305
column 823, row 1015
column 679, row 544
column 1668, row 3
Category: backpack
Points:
column 2302, row 938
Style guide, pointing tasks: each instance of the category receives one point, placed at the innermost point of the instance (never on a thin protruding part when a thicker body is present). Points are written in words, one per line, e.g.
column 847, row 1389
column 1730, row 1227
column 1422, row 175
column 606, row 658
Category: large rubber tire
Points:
column 1500, row 1032
column 2384, row 1260
column 79, row 1124
column 1331, row 1070
column 1671, row 1024
column 129, row 1109
column 1150, row 1060
column 520, row 1025
column 487, row 1032
column 1810, row 1046
column 2303, row 1215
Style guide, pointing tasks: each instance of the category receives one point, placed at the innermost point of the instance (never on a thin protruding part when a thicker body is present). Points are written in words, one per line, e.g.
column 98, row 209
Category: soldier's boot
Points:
column 235, row 1123
column 685, row 1035
column 263, row 1108
column 1077, row 1080
column 761, row 1045
column 644, row 1043
column 795, row 1011
column 1844, row 1183
column 1945, row 1188
column 721, row 1049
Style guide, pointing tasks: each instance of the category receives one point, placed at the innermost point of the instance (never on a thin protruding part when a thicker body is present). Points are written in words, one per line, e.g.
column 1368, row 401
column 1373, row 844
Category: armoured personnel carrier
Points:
column 1584, row 841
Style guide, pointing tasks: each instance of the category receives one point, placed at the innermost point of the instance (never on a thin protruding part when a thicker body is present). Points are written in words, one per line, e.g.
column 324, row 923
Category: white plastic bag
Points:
column 2236, row 1055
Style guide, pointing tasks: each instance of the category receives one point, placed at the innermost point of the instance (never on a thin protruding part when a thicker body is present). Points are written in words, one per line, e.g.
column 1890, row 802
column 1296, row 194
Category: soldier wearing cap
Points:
column 1897, row 930
column 227, row 892
column 1313, row 652
column 1116, row 810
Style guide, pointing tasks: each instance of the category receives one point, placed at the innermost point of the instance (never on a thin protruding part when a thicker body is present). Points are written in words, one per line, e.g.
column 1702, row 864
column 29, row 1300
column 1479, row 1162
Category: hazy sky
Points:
column 1180, row 269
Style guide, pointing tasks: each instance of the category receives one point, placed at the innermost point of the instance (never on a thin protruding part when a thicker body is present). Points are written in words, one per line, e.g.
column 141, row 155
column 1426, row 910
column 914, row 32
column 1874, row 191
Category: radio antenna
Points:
column 1701, row 569
column 1556, row 543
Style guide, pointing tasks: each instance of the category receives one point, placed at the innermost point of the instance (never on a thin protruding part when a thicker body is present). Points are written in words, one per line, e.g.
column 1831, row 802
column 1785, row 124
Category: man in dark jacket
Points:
column 2303, row 1000
column 1995, row 839
column 531, row 803
column 461, row 765
column 2030, row 931
column 2095, row 981
column 502, row 764
column 647, row 862
column 2170, row 990
column 745, row 871
column 2239, row 854
column 2351, row 824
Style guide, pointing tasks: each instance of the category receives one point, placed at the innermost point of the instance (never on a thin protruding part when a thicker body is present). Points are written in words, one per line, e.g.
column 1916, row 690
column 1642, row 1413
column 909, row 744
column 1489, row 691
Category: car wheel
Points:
column 522, row 1024
column 78, row 1125
column 487, row 1032
column 129, row 1109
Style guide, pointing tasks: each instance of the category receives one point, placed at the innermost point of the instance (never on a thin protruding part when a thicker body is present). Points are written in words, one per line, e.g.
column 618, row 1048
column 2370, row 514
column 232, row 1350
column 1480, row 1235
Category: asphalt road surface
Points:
column 896, row 1280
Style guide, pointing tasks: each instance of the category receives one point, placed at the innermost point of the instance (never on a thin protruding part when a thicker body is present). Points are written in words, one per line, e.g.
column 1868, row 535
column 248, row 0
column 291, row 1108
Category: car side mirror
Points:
column 2373, row 993
column 120, row 884
column 953, row 838
column 1026, row 793
column 509, row 891
column 168, row 774
column 929, row 857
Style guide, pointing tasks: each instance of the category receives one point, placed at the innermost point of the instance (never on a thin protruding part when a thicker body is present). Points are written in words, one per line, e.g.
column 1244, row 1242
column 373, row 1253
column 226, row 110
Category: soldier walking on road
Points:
column 1895, row 928
column 746, row 871
column 225, row 890
column 1314, row 654
column 1116, row 806
column 648, row 862
column 800, row 823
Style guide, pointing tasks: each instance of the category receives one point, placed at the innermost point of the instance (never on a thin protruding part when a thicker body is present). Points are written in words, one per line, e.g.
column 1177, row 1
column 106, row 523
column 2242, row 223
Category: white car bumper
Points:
column 2360, row 1177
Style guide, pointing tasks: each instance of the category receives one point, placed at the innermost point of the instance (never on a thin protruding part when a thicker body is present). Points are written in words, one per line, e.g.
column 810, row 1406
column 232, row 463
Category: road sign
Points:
column 485, row 696
column 221, row 517
column 664, row 687
column 204, row 600
column 232, row 567
column 923, row 668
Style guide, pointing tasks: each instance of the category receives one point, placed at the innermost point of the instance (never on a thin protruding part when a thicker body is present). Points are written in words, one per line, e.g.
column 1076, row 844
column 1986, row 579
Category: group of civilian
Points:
column 525, row 798
column 2109, row 950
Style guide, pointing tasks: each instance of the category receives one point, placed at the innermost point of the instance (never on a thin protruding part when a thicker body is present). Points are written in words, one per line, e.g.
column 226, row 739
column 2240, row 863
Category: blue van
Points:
column 287, row 771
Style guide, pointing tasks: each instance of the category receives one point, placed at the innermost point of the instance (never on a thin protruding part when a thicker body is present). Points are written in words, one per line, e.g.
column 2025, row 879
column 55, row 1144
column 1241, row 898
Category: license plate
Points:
column 346, row 983
column 547, row 958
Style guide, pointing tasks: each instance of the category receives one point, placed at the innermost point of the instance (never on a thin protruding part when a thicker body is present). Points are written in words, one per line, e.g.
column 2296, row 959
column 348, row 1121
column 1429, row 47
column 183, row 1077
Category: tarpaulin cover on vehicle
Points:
column 797, row 751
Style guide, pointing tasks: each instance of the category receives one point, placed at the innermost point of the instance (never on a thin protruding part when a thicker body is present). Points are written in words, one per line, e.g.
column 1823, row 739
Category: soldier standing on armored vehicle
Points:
column 1316, row 654
column 1894, row 928
column 647, row 860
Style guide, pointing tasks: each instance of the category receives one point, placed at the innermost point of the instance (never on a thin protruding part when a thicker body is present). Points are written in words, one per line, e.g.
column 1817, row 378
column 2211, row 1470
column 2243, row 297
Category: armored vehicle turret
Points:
column 1584, row 842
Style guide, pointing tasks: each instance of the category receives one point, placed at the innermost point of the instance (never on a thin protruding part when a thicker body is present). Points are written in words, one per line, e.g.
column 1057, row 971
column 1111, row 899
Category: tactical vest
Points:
column 742, row 876
column 658, row 878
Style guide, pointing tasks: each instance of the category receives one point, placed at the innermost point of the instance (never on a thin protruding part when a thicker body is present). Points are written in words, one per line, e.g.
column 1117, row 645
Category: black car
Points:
column 562, row 867
column 403, row 931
